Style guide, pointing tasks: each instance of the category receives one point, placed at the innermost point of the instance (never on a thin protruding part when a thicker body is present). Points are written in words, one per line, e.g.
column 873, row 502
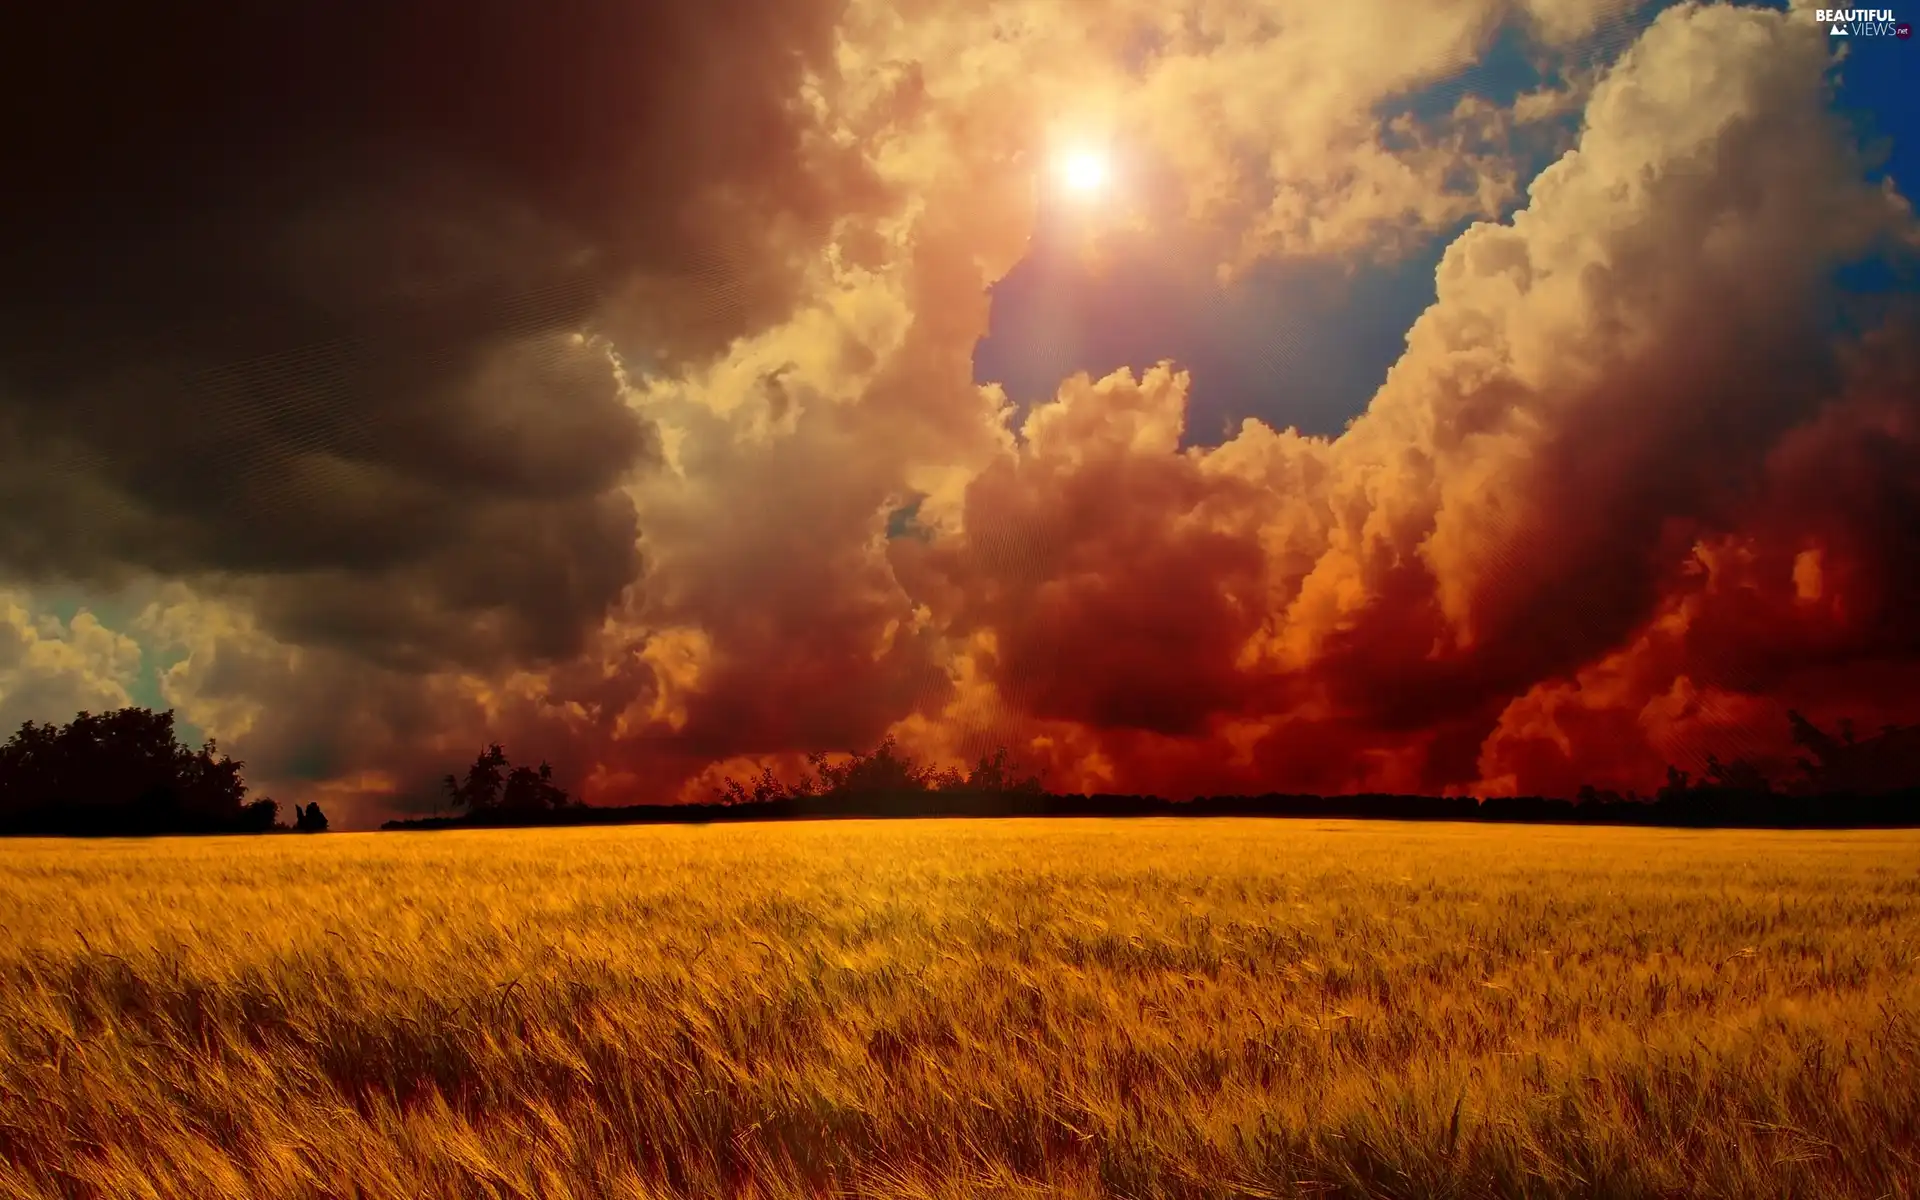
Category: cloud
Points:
column 602, row 384
column 1559, row 22
column 1598, row 390
column 295, row 294
column 320, row 722
column 1802, row 602
column 52, row 668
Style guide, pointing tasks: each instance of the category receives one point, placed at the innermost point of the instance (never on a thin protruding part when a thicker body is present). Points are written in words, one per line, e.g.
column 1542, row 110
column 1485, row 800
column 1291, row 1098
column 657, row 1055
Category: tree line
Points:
column 127, row 772
column 1843, row 781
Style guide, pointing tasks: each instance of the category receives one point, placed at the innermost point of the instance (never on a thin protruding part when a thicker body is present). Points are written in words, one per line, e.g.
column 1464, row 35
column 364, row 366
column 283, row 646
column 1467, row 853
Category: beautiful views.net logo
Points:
column 1862, row 22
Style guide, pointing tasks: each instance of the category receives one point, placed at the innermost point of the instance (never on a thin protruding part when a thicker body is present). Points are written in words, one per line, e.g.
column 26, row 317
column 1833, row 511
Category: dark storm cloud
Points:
column 290, row 290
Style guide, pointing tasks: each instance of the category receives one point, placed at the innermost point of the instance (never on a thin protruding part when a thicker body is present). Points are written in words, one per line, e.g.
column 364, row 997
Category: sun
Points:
column 1084, row 172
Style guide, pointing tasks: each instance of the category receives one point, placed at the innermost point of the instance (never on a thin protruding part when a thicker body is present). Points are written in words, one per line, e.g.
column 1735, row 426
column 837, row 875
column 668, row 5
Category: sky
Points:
column 1472, row 397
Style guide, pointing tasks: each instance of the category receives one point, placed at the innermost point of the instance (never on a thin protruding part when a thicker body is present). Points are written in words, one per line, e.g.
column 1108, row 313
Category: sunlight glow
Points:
column 1084, row 172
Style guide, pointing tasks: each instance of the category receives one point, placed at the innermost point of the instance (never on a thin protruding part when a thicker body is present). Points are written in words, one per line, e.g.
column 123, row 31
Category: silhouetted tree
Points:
column 260, row 815
column 1736, row 776
column 123, row 771
column 530, row 790
column 1886, row 761
column 884, row 772
column 479, row 792
column 996, row 773
column 309, row 819
column 1815, row 741
column 493, row 786
column 763, row 788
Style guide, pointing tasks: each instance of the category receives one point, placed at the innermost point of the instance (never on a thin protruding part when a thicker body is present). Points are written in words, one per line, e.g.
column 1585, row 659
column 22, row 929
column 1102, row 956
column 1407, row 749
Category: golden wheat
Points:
column 963, row 1009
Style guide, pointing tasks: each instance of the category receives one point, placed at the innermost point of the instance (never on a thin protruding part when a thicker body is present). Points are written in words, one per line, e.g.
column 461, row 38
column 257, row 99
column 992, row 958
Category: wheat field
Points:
column 963, row 1009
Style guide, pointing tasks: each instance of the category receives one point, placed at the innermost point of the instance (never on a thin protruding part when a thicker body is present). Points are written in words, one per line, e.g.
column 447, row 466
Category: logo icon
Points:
column 1903, row 31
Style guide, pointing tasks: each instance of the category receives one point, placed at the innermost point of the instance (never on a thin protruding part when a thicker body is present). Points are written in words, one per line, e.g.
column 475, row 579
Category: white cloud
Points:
column 50, row 669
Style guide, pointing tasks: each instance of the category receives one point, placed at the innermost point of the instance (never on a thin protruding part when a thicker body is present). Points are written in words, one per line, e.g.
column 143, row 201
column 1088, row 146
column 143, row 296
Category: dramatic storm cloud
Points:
column 295, row 297
column 601, row 381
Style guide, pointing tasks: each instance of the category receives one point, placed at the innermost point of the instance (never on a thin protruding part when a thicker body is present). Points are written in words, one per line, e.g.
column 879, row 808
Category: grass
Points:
column 963, row 1009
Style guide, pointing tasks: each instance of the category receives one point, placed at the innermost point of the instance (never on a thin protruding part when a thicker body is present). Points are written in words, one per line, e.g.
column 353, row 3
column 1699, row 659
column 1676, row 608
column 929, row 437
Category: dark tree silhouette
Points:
column 1736, row 776
column 495, row 788
column 763, row 788
column 883, row 773
column 479, row 792
column 1816, row 741
column 122, row 772
column 996, row 773
column 532, row 790
column 309, row 819
column 1884, row 762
